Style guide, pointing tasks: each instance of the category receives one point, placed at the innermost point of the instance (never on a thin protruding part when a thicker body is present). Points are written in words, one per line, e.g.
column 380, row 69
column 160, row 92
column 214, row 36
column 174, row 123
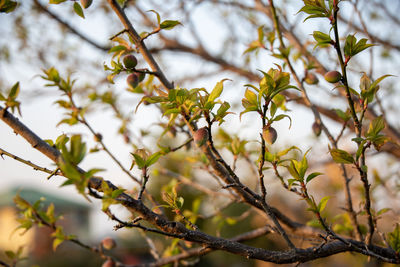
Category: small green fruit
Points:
column 200, row 137
column 317, row 129
column 108, row 263
column 311, row 78
column 86, row 3
column 269, row 134
column 333, row 76
column 133, row 80
column 108, row 243
column 130, row 61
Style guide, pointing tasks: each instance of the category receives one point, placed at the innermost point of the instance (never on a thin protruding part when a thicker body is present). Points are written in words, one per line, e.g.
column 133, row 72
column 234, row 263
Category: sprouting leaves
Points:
column 373, row 134
column 370, row 88
column 394, row 238
column 272, row 84
column 161, row 25
column 352, row 47
column 143, row 159
column 317, row 9
column 322, row 39
column 10, row 101
column 71, row 157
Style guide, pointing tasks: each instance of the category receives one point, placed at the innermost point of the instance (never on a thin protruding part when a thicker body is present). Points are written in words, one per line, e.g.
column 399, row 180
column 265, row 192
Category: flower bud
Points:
column 108, row 243
column 311, row 78
column 200, row 137
column 130, row 61
column 333, row 76
column 86, row 3
column 269, row 134
column 317, row 129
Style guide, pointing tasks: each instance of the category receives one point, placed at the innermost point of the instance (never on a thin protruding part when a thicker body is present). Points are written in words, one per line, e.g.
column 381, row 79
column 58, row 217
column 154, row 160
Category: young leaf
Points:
column 341, row 156
column 322, row 203
column 139, row 160
column 78, row 10
column 169, row 24
column 394, row 238
column 312, row 176
column 376, row 126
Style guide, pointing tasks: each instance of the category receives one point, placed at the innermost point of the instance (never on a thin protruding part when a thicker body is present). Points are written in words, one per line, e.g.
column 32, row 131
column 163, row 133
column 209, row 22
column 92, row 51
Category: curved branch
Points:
column 70, row 28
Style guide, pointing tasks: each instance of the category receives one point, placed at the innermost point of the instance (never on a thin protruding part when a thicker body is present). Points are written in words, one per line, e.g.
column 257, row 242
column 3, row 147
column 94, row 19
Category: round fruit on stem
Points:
column 108, row 243
column 311, row 78
column 200, row 137
column 86, row 3
column 269, row 134
column 333, row 76
column 133, row 80
column 130, row 61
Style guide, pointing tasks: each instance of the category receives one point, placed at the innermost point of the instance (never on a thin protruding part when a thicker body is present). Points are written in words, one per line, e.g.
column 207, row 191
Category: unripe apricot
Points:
column 333, row 76
column 130, row 61
column 200, row 137
column 311, row 78
column 269, row 134
column 132, row 80
column 86, row 3
column 108, row 243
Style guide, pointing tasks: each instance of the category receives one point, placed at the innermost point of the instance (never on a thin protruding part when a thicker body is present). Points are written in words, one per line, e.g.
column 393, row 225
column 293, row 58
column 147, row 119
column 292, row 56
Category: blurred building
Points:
column 38, row 241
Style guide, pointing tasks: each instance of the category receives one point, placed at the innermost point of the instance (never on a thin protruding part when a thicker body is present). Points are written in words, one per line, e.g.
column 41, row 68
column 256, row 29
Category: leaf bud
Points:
column 333, row 76
column 269, row 134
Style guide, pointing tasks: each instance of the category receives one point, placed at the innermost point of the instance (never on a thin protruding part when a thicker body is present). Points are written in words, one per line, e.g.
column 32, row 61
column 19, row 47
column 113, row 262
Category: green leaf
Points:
column 115, row 193
column 377, row 125
column 7, row 6
column 153, row 159
column 341, row 156
column 312, row 176
column 158, row 15
column 322, row 39
column 14, row 91
column 394, row 239
column 78, row 10
column 56, row 1
column 57, row 242
column 251, row 97
column 216, row 92
column 169, row 24
column 322, row 203
column 139, row 160
column 117, row 48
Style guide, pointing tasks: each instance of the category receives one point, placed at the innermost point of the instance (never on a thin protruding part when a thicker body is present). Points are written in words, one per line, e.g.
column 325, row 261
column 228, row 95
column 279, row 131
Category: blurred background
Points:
column 209, row 46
